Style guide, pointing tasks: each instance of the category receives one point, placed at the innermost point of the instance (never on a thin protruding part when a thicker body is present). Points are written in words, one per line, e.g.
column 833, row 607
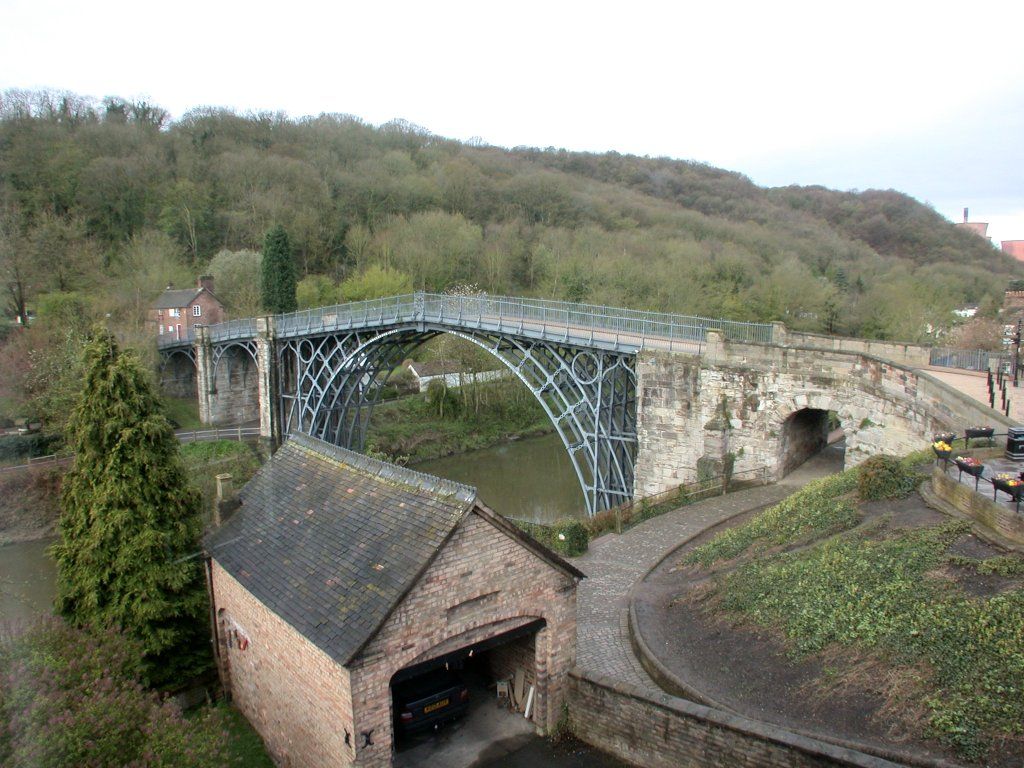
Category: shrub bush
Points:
column 570, row 538
column 73, row 697
column 885, row 477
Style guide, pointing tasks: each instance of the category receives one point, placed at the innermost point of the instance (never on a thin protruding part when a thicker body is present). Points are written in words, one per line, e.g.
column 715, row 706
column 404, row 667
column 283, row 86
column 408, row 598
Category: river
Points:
column 27, row 576
column 529, row 479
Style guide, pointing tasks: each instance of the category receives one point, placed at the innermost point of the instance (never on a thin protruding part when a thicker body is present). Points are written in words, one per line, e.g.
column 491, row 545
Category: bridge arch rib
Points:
column 330, row 385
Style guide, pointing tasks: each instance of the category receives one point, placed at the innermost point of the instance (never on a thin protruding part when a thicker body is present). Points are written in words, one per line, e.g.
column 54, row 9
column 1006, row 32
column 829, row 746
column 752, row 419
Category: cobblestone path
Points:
column 614, row 563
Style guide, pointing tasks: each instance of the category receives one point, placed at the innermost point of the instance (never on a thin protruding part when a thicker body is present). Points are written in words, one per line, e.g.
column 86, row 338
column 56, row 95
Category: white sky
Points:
column 924, row 97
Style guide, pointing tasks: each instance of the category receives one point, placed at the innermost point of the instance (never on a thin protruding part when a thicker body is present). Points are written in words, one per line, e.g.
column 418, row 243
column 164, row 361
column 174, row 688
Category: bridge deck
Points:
column 620, row 330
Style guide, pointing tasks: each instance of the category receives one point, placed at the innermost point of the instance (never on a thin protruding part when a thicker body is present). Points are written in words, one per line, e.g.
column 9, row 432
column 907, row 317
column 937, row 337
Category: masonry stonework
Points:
column 482, row 583
column 736, row 401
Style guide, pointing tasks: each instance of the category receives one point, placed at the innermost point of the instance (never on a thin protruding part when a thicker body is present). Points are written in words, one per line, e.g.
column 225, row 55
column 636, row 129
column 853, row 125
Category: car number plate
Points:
column 436, row 705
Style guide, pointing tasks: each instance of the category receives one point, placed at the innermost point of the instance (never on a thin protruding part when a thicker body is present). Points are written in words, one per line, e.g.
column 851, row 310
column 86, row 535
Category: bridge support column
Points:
column 205, row 384
column 266, row 363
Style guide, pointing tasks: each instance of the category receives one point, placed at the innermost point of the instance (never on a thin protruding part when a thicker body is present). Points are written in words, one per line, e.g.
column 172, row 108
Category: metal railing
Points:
column 580, row 323
column 965, row 359
column 174, row 340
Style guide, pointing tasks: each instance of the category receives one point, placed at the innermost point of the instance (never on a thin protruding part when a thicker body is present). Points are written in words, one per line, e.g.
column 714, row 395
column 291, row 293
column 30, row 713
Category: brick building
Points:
column 340, row 576
column 176, row 312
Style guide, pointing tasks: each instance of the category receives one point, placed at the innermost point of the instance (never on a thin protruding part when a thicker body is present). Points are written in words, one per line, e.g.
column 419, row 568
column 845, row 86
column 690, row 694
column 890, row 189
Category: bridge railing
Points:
column 355, row 314
column 536, row 316
column 233, row 329
column 966, row 359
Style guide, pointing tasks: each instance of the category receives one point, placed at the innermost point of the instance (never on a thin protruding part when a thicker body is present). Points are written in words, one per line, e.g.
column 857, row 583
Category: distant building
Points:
column 979, row 228
column 424, row 373
column 1014, row 248
column 176, row 312
column 966, row 312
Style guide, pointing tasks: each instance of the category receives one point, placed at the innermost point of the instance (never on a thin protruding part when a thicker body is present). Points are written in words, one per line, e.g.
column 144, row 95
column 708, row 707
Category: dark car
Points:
column 429, row 700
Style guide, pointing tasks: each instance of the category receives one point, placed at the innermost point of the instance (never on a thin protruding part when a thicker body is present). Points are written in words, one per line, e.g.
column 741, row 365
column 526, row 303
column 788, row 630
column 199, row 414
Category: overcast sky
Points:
column 924, row 97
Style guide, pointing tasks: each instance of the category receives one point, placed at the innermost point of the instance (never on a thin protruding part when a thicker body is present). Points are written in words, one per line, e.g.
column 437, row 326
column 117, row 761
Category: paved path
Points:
column 614, row 563
column 974, row 384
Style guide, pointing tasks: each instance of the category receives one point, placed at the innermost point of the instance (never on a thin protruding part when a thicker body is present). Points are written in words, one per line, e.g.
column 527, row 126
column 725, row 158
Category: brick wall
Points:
column 663, row 731
column 482, row 582
column 291, row 691
column 978, row 505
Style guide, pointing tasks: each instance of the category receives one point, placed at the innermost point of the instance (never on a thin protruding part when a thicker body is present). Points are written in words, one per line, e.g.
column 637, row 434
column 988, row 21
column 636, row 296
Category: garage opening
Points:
column 464, row 700
column 808, row 433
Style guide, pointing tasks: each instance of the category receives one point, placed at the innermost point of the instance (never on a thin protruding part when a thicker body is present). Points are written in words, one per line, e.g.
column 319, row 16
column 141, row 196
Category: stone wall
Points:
column 482, row 583
column 178, row 376
column 735, row 400
column 662, row 731
column 978, row 505
column 236, row 396
column 295, row 696
column 912, row 355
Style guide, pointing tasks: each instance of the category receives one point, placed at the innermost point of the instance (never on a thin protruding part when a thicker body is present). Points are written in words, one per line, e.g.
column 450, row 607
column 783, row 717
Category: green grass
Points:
column 412, row 430
column 183, row 411
column 877, row 595
column 817, row 508
column 244, row 744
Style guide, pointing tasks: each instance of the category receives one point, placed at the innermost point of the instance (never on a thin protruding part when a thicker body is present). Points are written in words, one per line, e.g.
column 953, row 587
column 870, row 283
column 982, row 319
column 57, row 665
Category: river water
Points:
column 27, row 577
column 529, row 479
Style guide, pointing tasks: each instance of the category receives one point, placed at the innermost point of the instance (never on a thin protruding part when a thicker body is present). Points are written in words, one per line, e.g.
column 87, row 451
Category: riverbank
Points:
column 30, row 498
column 412, row 430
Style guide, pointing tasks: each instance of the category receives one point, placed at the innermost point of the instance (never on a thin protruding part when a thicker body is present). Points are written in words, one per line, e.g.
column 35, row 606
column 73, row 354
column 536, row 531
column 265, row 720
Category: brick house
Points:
column 340, row 575
column 176, row 312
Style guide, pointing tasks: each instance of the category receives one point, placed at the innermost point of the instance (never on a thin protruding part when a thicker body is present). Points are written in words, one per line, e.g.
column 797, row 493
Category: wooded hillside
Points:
column 111, row 201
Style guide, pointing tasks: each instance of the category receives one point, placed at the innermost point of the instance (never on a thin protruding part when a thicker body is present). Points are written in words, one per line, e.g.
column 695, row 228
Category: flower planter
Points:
column 944, row 437
column 978, row 433
column 944, row 455
column 1011, row 488
column 974, row 470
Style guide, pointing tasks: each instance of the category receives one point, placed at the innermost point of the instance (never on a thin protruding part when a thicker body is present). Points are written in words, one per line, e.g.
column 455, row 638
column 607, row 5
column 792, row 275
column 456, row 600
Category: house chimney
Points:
column 206, row 281
column 965, row 215
column 226, row 502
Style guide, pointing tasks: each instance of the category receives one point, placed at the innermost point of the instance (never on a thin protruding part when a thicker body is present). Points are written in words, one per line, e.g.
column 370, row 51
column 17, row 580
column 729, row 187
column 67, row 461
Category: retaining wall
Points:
column 661, row 731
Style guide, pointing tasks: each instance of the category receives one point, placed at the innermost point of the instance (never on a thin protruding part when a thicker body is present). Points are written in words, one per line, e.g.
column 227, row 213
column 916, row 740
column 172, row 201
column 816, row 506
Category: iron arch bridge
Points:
column 330, row 366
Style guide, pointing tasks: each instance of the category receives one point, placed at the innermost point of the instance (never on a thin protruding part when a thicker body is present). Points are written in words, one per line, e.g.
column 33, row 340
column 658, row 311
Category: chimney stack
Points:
column 206, row 281
column 226, row 502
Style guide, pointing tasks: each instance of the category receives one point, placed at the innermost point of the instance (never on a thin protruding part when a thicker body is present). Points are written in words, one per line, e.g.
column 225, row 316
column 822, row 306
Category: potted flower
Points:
column 942, row 449
column 944, row 437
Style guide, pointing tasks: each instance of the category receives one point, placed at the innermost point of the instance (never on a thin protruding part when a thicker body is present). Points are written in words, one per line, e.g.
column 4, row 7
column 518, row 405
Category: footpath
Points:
column 615, row 562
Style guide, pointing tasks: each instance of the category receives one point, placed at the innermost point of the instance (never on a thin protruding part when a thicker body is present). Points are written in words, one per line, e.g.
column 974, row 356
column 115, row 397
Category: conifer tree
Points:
column 277, row 275
column 130, row 521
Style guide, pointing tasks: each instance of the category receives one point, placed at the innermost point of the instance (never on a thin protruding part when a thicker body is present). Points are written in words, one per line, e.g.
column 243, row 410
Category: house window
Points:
column 175, row 313
column 170, row 329
column 197, row 311
column 161, row 328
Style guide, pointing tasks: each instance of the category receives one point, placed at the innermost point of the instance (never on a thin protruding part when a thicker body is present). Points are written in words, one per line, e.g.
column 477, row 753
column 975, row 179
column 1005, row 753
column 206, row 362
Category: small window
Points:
column 197, row 311
column 170, row 329
column 161, row 329
column 175, row 313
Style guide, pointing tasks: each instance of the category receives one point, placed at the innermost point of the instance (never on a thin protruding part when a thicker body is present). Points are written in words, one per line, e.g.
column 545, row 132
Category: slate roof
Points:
column 176, row 299
column 331, row 540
